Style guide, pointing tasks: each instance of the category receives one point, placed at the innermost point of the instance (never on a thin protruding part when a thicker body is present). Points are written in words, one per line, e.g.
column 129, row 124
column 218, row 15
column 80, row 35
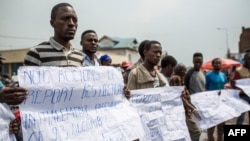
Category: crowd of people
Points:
column 145, row 73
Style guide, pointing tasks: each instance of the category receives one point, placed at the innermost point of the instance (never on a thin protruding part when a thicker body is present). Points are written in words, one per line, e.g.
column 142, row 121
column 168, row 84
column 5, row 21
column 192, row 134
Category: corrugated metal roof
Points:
column 121, row 43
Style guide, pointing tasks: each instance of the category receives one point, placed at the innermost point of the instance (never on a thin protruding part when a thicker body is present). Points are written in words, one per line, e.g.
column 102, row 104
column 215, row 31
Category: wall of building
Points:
column 244, row 43
column 14, row 56
column 14, row 59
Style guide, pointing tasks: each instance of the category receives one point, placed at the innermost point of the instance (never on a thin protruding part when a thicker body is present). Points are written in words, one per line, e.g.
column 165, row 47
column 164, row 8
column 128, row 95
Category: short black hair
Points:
column 148, row 44
column 168, row 60
column 87, row 31
column 56, row 7
column 213, row 61
column 141, row 48
column 197, row 54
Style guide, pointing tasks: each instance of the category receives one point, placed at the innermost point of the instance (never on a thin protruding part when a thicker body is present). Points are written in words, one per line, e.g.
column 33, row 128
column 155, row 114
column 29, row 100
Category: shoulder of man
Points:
column 32, row 57
column 190, row 72
column 188, row 76
column 40, row 45
column 44, row 43
column 133, row 70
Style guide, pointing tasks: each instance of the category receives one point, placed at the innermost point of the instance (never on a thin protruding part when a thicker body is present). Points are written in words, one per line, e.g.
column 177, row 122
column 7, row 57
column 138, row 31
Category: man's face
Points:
column 65, row 23
column 197, row 61
column 153, row 55
column 217, row 65
column 89, row 42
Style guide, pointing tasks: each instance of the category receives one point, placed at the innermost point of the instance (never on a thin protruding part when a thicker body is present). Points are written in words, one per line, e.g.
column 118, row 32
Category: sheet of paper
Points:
column 215, row 109
column 161, row 110
column 77, row 103
column 6, row 116
column 244, row 84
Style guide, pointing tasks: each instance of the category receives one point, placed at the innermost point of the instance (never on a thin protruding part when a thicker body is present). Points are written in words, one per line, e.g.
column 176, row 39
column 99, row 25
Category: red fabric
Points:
column 17, row 115
column 236, row 76
column 126, row 64
column 225, row 64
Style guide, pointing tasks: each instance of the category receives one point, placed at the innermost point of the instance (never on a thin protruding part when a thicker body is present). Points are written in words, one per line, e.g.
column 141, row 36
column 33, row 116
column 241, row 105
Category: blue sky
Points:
column 182, row 26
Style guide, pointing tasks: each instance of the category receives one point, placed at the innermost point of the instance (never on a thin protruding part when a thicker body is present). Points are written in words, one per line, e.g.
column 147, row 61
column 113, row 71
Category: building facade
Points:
column 119, row 49
column 244, row 43
column 127, row 47
column 13, row 60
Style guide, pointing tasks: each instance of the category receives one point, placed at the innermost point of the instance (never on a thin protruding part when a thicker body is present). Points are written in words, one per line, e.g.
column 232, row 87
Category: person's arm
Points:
column 186, row 81
column 185, row 96
column 235, row 77
column 125, row 75
column 207, row 81
column 187, row 78
column 13, row 95
column 126, row 92
column 132, row 80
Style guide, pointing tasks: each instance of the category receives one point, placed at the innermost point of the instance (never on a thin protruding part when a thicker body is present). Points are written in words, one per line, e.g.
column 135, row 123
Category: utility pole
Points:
column 227, row 44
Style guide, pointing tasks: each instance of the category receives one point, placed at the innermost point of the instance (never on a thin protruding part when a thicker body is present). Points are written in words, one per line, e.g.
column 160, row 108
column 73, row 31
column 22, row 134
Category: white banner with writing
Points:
column 161, row 110
column 6, row 116
column 77, row 103
column 244, row 84
column 214, row 108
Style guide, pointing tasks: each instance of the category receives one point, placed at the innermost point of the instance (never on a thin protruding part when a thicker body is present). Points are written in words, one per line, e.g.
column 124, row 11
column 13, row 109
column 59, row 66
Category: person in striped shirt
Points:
column 58, row 51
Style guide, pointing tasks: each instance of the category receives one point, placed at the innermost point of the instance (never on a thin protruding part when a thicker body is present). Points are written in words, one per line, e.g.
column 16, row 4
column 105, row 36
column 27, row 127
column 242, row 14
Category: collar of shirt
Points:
column 59, row 47
column 88, row 62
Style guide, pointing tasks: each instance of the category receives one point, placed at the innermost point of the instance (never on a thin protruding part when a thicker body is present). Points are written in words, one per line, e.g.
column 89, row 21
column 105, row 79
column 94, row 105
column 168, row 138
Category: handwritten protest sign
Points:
column 161, row 110
column 77, row 103
column 215, row 109
column 244, row 84
column 6, row 116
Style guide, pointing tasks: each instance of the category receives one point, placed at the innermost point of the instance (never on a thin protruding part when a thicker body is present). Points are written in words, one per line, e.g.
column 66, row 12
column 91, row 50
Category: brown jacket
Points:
column 140, row 78
column 127, row 71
